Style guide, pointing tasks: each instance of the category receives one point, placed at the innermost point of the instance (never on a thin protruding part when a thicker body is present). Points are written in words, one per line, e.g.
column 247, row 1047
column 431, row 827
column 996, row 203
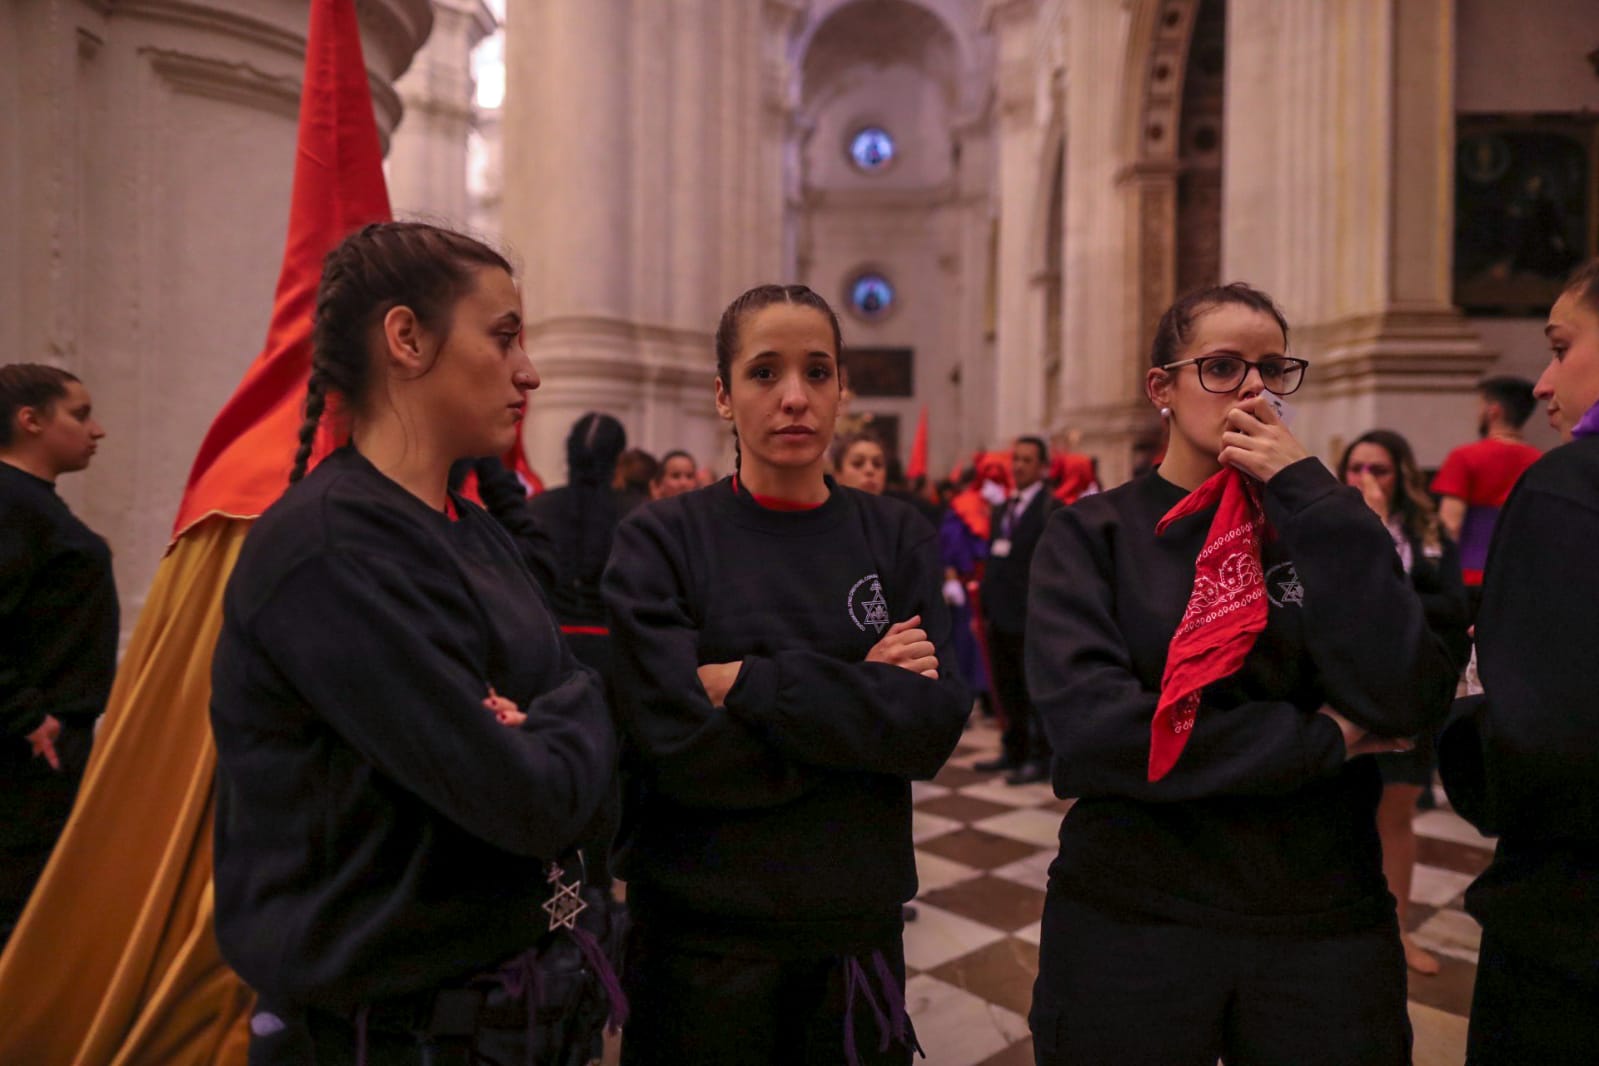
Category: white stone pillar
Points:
column 636, row 195
column 1018, row 400
column 146, row 215
column 427, row 156
column 1102, row 357
column 1339, row 200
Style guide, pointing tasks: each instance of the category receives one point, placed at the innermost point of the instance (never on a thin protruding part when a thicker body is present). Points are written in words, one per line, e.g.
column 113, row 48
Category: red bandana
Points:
column 1226, row 610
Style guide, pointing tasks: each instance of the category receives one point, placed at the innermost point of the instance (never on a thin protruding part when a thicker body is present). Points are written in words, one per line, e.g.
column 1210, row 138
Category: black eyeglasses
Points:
column 1280, row 374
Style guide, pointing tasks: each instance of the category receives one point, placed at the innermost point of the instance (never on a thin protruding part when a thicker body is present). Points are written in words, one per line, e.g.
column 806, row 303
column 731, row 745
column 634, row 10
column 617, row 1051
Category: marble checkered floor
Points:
column 983, row 850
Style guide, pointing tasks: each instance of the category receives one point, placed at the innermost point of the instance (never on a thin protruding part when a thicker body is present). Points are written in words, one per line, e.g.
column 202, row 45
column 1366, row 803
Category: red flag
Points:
column 243, row 463
column 917, row 467
column 1226, row 610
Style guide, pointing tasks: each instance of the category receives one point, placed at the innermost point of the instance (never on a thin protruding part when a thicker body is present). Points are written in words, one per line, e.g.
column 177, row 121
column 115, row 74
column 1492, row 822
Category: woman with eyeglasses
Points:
column 1212, row 647
column 1381, row 465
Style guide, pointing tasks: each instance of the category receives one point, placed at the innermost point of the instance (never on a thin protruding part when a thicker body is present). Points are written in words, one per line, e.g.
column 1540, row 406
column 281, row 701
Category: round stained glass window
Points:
column 871, row 295
column 872, row 149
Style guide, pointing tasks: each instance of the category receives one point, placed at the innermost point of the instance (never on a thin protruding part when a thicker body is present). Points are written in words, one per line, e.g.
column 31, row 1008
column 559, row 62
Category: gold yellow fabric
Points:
column 115, row 962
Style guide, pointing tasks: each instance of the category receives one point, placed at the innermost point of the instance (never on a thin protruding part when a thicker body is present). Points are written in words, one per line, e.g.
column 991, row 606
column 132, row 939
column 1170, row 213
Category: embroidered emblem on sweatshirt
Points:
column 867, row 607
column 1283, row 587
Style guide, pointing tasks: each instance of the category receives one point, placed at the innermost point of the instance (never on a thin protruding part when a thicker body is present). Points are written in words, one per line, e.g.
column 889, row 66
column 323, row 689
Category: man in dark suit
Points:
column 1017, row 525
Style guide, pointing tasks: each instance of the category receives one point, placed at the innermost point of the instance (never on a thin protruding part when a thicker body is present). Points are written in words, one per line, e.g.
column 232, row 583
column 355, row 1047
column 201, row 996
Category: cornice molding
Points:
column 396, row 27
column 1410, row 349
column 234, row 83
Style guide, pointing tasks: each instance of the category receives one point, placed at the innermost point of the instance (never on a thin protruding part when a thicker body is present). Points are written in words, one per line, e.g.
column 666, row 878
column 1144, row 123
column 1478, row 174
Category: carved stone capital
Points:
column 1409, row 349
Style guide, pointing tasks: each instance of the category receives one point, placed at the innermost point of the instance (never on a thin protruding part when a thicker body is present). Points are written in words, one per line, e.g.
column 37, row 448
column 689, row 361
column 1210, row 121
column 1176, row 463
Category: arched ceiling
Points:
column 879, row 33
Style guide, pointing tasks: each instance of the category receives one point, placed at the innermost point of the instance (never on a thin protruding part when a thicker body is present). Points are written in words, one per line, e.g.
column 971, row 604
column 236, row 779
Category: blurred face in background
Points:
column 863, row 466
column 676, row 476
column 1373, row 460
column 1026, row 464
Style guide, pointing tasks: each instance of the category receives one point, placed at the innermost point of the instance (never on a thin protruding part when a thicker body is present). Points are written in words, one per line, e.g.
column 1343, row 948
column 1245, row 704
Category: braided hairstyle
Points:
column 380, row 267
column 727, row 331
column 592, row 449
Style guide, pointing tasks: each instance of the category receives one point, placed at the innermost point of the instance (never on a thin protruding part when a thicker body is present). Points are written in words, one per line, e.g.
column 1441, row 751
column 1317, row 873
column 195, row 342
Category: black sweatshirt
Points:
column 1522, row 761
column 1262, row 825
column 58, row 610
column 378, row 831
column 779, row 825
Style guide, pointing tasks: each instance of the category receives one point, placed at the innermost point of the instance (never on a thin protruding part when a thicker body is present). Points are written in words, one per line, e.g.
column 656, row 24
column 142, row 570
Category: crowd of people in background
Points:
column 719, row 689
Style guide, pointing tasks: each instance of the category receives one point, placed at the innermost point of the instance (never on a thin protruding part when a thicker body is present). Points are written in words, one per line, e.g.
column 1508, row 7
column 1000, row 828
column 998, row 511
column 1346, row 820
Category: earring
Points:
column 1165, row 412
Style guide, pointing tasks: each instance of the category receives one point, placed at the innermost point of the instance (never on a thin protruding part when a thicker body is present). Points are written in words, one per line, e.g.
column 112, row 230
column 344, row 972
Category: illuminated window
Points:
column 872, row 149
column 871, row 295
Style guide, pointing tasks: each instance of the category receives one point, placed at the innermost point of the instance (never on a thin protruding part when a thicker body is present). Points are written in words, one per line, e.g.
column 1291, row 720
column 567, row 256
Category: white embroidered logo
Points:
column 872, row 610
column 1283, row 586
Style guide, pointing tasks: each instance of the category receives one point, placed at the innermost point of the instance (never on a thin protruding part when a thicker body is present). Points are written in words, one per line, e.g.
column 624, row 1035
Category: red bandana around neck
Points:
column 1226, row 609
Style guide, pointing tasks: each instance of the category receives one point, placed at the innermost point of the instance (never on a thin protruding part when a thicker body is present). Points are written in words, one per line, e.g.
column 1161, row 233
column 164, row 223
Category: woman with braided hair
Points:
column 579, row 519
column 407, row 750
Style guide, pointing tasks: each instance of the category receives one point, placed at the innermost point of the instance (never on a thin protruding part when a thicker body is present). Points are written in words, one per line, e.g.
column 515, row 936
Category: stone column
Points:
column 427, row 157
column 642, row 192
column 146, row 220
column 566, row 208
column 1338, row 190
column 1107, row 248
column 1018, row 401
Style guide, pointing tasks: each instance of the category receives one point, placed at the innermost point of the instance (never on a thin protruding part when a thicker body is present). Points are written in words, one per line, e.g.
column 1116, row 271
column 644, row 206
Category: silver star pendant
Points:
column 564, row 904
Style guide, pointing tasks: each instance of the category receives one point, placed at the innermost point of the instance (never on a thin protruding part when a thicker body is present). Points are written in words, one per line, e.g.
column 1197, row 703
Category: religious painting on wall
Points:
column 1526, row 209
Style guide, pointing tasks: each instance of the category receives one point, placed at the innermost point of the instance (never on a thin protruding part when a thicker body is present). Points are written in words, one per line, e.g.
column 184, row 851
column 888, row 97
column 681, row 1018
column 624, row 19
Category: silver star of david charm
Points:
column 564, row 904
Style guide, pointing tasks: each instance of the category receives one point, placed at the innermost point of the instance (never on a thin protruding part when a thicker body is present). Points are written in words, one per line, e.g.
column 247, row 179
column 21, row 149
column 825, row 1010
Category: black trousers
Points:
column 35, row 802
column 1023, row 739
column 1115, row 991
column 691, row 1007
column 1525, row 1011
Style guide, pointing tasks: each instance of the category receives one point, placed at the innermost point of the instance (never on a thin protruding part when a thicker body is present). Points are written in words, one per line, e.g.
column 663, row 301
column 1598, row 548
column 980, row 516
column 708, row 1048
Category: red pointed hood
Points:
column 243, row 463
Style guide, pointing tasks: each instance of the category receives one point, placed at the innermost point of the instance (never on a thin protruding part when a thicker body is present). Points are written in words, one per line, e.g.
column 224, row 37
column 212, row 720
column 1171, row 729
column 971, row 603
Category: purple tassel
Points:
column 851, row 969
column 856, row 980
column 892, row 995
column 904, row 1030
column 602, row 968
